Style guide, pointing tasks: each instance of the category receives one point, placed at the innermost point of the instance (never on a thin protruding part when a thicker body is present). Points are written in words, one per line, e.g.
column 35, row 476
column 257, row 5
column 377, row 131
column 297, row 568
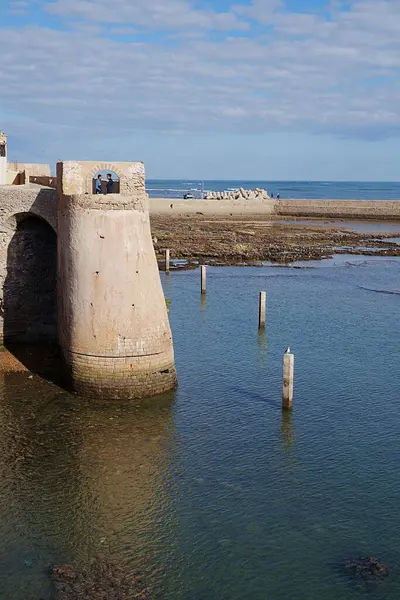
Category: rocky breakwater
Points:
column 240, row 195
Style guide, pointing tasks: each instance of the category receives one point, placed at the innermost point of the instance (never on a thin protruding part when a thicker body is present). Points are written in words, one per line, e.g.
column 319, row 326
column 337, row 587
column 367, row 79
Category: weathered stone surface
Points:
column 35, row 169
column 112, row 319
column 76, row 178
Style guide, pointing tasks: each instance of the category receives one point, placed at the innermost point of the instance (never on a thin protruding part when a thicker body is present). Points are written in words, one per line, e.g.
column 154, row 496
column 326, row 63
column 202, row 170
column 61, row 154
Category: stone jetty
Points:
column 239, row 194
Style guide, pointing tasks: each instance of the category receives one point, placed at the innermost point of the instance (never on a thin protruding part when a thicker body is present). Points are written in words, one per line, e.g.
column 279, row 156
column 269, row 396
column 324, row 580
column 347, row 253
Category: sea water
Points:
column 334, row 190
column 212, row 491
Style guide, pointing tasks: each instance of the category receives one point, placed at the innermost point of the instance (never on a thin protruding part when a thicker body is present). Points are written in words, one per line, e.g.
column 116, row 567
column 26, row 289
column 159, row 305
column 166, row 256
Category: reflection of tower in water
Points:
column 79, row 479
column 124, row 459
column 203, row 303
column 262, row 342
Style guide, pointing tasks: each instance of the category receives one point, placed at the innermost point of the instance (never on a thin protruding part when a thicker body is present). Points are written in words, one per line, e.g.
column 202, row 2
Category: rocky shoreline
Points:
column 253, row 239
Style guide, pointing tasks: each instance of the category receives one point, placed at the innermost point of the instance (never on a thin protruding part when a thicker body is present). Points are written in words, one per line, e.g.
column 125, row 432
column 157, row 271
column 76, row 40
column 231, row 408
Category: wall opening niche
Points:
column 109, row 182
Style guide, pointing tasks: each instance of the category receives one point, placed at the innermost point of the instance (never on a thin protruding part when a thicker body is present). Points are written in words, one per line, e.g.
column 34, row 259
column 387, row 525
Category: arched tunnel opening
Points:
column 29, row 294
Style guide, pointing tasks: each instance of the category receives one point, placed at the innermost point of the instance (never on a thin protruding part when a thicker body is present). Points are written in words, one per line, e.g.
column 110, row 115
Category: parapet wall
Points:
column 44, row 180
column 32, row 168
column 344, row 209
column 14, row 177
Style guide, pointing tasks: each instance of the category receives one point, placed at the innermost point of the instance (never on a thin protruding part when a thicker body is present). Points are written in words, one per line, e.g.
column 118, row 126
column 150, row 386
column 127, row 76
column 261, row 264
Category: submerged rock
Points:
column 366, row 568
column 99, row 581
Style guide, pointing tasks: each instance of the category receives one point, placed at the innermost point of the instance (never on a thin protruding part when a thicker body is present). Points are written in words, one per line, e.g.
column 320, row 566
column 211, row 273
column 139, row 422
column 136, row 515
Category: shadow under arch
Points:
column 29, row 294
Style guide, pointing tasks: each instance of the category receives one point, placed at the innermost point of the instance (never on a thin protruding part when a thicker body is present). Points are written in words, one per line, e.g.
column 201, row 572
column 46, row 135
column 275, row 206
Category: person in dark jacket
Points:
column 109, row 184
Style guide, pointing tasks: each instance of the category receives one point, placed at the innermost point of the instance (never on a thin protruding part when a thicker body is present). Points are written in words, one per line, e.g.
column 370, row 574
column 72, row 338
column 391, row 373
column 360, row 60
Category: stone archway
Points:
column 29, row 306
column 101, row 167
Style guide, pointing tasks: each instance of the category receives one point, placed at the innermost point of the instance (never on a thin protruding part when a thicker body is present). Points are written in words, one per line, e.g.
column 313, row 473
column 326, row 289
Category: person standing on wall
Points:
column 99, row 189
column 109, row 184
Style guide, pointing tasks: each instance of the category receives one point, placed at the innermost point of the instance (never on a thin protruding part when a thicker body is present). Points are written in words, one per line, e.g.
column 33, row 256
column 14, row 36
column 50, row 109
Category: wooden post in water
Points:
column 288, row 379
column 203, row 279
column 262, row 309
column 167, row 254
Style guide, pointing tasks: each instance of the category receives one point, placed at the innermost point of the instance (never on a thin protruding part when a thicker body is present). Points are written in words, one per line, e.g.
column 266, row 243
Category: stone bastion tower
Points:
column 113, row 325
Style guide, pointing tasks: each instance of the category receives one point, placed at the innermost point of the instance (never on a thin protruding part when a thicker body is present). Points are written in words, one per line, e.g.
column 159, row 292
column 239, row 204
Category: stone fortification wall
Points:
column 239, row 194
column 43, row 180
column 113, row 324
column 24, row 200
column 33, row 168
column 350, row 209
column 14, row 177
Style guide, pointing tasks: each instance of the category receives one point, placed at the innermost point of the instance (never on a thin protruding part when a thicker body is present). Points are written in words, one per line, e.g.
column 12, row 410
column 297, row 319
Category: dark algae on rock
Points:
column 101, row 580
column 246, row 239
column 366, row 569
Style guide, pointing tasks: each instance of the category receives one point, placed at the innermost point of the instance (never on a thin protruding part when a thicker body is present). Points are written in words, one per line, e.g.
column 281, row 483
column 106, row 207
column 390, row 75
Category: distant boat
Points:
column 188, row 196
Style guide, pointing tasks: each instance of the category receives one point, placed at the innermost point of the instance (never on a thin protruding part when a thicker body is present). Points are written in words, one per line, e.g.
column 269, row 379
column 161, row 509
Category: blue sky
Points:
column 252, row 89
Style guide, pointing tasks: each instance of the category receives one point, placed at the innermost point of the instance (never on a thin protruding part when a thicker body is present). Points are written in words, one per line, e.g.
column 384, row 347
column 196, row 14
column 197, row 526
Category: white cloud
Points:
column 18, row 7
column 126, row 31
column 259, row 10
column 157, row 14
column 305, row 73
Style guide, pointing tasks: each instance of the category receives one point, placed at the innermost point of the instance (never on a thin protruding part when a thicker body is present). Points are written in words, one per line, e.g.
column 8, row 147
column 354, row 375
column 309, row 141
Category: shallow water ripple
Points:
column 212, row 491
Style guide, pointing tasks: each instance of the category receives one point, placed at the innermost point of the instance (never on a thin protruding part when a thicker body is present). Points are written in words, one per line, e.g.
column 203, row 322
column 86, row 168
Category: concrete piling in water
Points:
column 262, row 309
column 203, row 272
column 167, row 260
column 288, row 380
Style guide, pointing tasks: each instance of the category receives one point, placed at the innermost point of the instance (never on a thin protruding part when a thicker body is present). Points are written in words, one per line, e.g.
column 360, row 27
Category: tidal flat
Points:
column 244, row 239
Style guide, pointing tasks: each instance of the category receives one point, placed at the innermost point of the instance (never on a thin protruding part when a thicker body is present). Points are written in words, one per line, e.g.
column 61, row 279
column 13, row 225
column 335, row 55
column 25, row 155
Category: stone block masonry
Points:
column 111, row 321
column 113, row 324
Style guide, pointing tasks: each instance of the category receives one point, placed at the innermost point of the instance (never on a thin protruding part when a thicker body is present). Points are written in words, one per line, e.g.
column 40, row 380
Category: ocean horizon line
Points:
column 336, row 181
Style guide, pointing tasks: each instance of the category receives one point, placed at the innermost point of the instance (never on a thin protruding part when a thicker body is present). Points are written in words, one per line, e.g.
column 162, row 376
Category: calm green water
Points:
column 211, row 491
